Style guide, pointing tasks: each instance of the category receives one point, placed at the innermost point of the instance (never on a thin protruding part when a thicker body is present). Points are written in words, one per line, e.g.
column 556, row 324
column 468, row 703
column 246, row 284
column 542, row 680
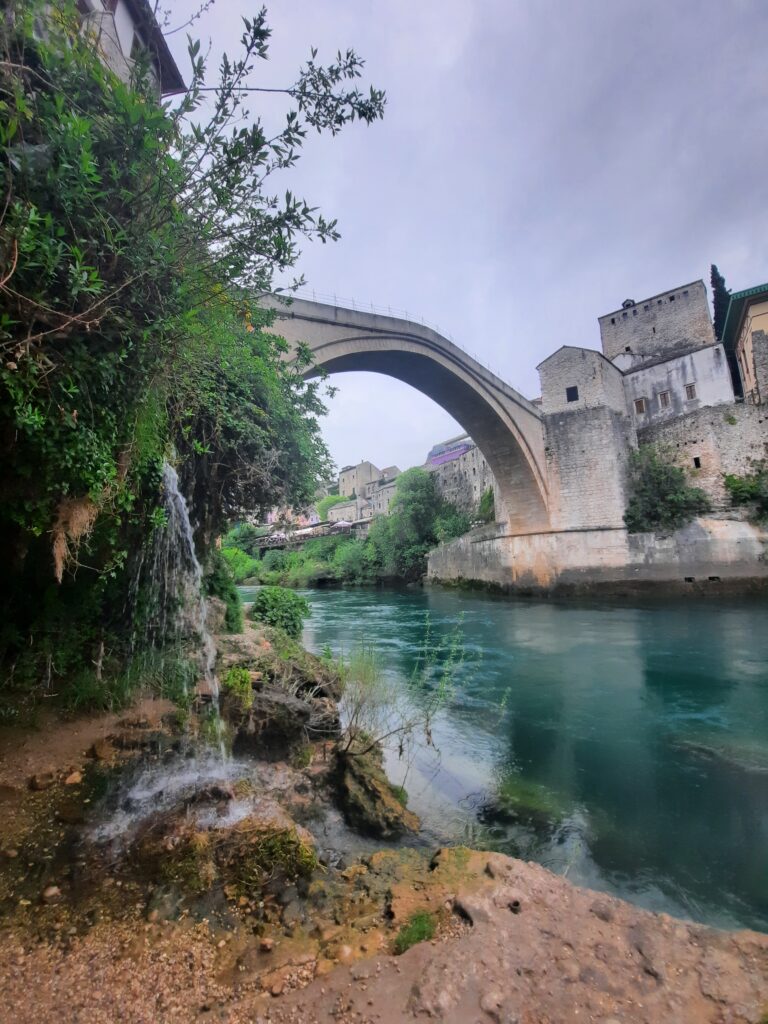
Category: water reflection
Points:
column 627, row 746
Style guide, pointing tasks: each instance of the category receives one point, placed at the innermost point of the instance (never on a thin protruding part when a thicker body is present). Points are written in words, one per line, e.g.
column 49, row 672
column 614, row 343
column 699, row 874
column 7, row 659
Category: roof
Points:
column 144, row 19
column 658, row 295
column 579, row 348
column 737, row 307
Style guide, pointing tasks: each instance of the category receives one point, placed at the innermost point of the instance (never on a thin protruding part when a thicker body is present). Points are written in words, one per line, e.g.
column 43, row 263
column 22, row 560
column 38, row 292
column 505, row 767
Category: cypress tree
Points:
column 721, row 296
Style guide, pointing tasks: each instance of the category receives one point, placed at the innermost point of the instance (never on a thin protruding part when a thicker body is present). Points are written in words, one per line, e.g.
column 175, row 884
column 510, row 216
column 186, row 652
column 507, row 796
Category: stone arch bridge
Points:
column 507, row 428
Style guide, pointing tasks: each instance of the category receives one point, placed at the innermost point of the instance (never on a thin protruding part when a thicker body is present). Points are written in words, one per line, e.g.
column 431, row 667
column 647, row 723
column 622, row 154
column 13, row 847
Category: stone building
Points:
column 661, row 379
column 353, row 479
column 745, row 338
column 461, row 473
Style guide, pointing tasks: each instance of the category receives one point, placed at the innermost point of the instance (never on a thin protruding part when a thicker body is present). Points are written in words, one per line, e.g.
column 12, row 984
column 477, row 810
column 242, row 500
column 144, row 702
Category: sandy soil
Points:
column 60, row 745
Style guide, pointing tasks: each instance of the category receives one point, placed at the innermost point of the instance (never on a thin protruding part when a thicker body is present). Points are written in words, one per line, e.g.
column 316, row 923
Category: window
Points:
column 696, row 462
column 627, row 348
column 572, row 394
column 685, row 291
column 690, row 391
column 671, row 298
column 664, row 399
column 634, row 312
column 639, row 405
column 624, row 315
column 659, row 302
column 646, row 307
column 613, row 319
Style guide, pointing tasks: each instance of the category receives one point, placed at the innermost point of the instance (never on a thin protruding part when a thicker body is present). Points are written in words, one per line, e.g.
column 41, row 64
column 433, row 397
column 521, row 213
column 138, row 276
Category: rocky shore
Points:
column 146, row 878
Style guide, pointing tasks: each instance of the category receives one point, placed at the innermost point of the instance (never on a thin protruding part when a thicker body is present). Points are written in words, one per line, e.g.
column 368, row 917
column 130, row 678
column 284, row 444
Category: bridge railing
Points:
column 310, row 295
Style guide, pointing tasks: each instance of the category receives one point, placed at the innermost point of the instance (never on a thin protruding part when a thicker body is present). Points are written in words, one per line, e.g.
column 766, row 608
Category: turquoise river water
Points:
column 624, row 746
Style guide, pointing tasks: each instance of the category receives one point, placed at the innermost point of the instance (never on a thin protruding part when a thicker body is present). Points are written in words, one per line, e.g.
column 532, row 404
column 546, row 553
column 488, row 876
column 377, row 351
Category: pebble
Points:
column 267, row 945
column 43, row 780
column 51, row 893
column 74, row 779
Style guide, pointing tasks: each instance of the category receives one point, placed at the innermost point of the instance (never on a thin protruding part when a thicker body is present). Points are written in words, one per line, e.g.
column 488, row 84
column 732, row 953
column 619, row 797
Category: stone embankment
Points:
column 144, row 879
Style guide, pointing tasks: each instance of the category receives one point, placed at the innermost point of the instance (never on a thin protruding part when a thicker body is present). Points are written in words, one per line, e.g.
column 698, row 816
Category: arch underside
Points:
column 485, row 416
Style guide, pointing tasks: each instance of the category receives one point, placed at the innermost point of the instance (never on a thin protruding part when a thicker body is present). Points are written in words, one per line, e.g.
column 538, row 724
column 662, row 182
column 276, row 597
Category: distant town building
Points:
column 352, row 479
column 461, row 473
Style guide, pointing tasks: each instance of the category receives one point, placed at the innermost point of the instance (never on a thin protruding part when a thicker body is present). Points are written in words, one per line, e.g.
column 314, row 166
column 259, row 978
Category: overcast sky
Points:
column 539, row 162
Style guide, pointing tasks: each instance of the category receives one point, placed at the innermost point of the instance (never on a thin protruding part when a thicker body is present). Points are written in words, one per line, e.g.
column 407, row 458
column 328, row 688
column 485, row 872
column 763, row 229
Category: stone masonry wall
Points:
column 598, row 381
column 725, row 439
column 760, row 359
column 664, row 324
column 587, row 451
column 463, row 480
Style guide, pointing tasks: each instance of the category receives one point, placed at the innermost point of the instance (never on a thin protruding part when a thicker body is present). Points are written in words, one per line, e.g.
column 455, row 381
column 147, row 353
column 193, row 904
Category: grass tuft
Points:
column 420, row 928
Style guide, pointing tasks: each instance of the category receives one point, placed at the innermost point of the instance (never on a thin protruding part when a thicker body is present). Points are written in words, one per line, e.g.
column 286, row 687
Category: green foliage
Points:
column 132, row 238
column 218, row 582
column 282, row 609
column 274, row 560
column 245, row 537
column 660, row 496
column 421, row 927
column 721, row 297
column 241, row 565
column 396, row 547
column 327, row 503
column 400, row 793
column 751, row 489
column 487, row 508
column 237, row 682
column 419, row 519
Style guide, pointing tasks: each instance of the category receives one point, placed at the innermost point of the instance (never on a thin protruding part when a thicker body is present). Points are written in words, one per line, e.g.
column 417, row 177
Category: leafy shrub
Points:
column 750, row 489
column 281, row 608
column 240, row 563
column 218, row 582
column 660, row 496
column 420, row 928
column 237, row 682
column 273, row 560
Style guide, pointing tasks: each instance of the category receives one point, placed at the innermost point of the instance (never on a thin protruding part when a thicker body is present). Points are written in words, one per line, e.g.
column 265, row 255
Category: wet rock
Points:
column 101, row 750
column 73, row 779
column 42, row 780
column 273, row 728
column 215, row 615
column 367, row 799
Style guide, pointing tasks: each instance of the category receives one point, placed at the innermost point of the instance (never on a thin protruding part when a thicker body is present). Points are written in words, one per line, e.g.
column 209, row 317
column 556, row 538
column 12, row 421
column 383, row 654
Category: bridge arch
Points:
column 506, row 427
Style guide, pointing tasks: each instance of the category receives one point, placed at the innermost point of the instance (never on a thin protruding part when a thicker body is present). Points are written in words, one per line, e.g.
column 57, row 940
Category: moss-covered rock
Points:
column 368, row 801
column 242, row 858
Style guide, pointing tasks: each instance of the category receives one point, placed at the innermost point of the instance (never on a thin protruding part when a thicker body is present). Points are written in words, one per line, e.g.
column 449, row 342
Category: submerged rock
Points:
column 368, row 801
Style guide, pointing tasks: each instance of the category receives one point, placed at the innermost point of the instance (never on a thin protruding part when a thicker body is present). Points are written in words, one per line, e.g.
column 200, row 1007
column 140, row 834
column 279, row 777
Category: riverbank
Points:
column 107, row 916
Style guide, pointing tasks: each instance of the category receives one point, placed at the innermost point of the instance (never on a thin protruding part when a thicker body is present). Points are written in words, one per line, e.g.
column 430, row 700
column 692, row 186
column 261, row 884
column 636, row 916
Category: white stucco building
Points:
column 122, row 29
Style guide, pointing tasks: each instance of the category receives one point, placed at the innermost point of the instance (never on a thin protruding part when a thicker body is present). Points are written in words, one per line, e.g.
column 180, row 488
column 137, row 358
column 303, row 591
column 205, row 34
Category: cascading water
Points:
column 171, row 578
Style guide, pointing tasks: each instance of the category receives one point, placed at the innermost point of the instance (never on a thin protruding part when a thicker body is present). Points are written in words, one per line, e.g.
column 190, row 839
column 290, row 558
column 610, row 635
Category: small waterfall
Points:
column 171, row 578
